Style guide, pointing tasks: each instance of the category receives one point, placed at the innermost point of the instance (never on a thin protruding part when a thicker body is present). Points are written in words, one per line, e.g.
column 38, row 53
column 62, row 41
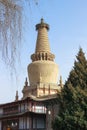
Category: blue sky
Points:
column 68, row 32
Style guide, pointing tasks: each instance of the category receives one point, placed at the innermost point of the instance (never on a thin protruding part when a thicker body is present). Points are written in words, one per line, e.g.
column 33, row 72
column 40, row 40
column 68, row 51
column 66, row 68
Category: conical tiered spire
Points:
column 42, row 44
column 42, row 50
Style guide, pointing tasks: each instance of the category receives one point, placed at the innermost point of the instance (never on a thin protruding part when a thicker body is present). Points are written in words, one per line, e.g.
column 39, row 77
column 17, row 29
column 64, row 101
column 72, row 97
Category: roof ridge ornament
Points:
column 16, row 97
column 26, row 82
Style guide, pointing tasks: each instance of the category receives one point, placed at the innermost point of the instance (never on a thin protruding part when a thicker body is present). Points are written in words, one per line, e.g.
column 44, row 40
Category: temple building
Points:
column 36, row 109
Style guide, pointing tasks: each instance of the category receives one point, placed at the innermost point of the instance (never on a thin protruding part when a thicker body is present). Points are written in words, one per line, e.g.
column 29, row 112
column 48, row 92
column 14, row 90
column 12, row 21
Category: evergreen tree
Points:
column 73, row 98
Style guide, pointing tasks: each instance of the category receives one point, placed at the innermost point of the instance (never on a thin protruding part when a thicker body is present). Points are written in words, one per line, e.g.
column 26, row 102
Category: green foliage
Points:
column 78, row 75
column 73, row 98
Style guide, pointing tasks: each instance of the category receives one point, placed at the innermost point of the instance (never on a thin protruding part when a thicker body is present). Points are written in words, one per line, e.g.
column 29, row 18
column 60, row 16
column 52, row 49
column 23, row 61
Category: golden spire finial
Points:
column 42, row 20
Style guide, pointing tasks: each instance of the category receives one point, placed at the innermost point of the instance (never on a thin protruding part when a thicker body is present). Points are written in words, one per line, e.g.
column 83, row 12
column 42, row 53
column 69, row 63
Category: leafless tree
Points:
column 11, row 29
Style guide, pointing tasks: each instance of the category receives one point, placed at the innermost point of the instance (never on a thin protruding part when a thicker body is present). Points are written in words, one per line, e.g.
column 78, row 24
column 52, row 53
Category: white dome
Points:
column 43, row 71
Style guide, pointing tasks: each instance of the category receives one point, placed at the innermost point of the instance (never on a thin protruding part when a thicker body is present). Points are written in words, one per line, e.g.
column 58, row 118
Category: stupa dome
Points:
column 43, row 72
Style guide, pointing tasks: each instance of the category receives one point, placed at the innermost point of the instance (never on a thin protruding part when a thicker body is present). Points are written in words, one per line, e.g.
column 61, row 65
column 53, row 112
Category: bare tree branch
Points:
column 10, row 29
